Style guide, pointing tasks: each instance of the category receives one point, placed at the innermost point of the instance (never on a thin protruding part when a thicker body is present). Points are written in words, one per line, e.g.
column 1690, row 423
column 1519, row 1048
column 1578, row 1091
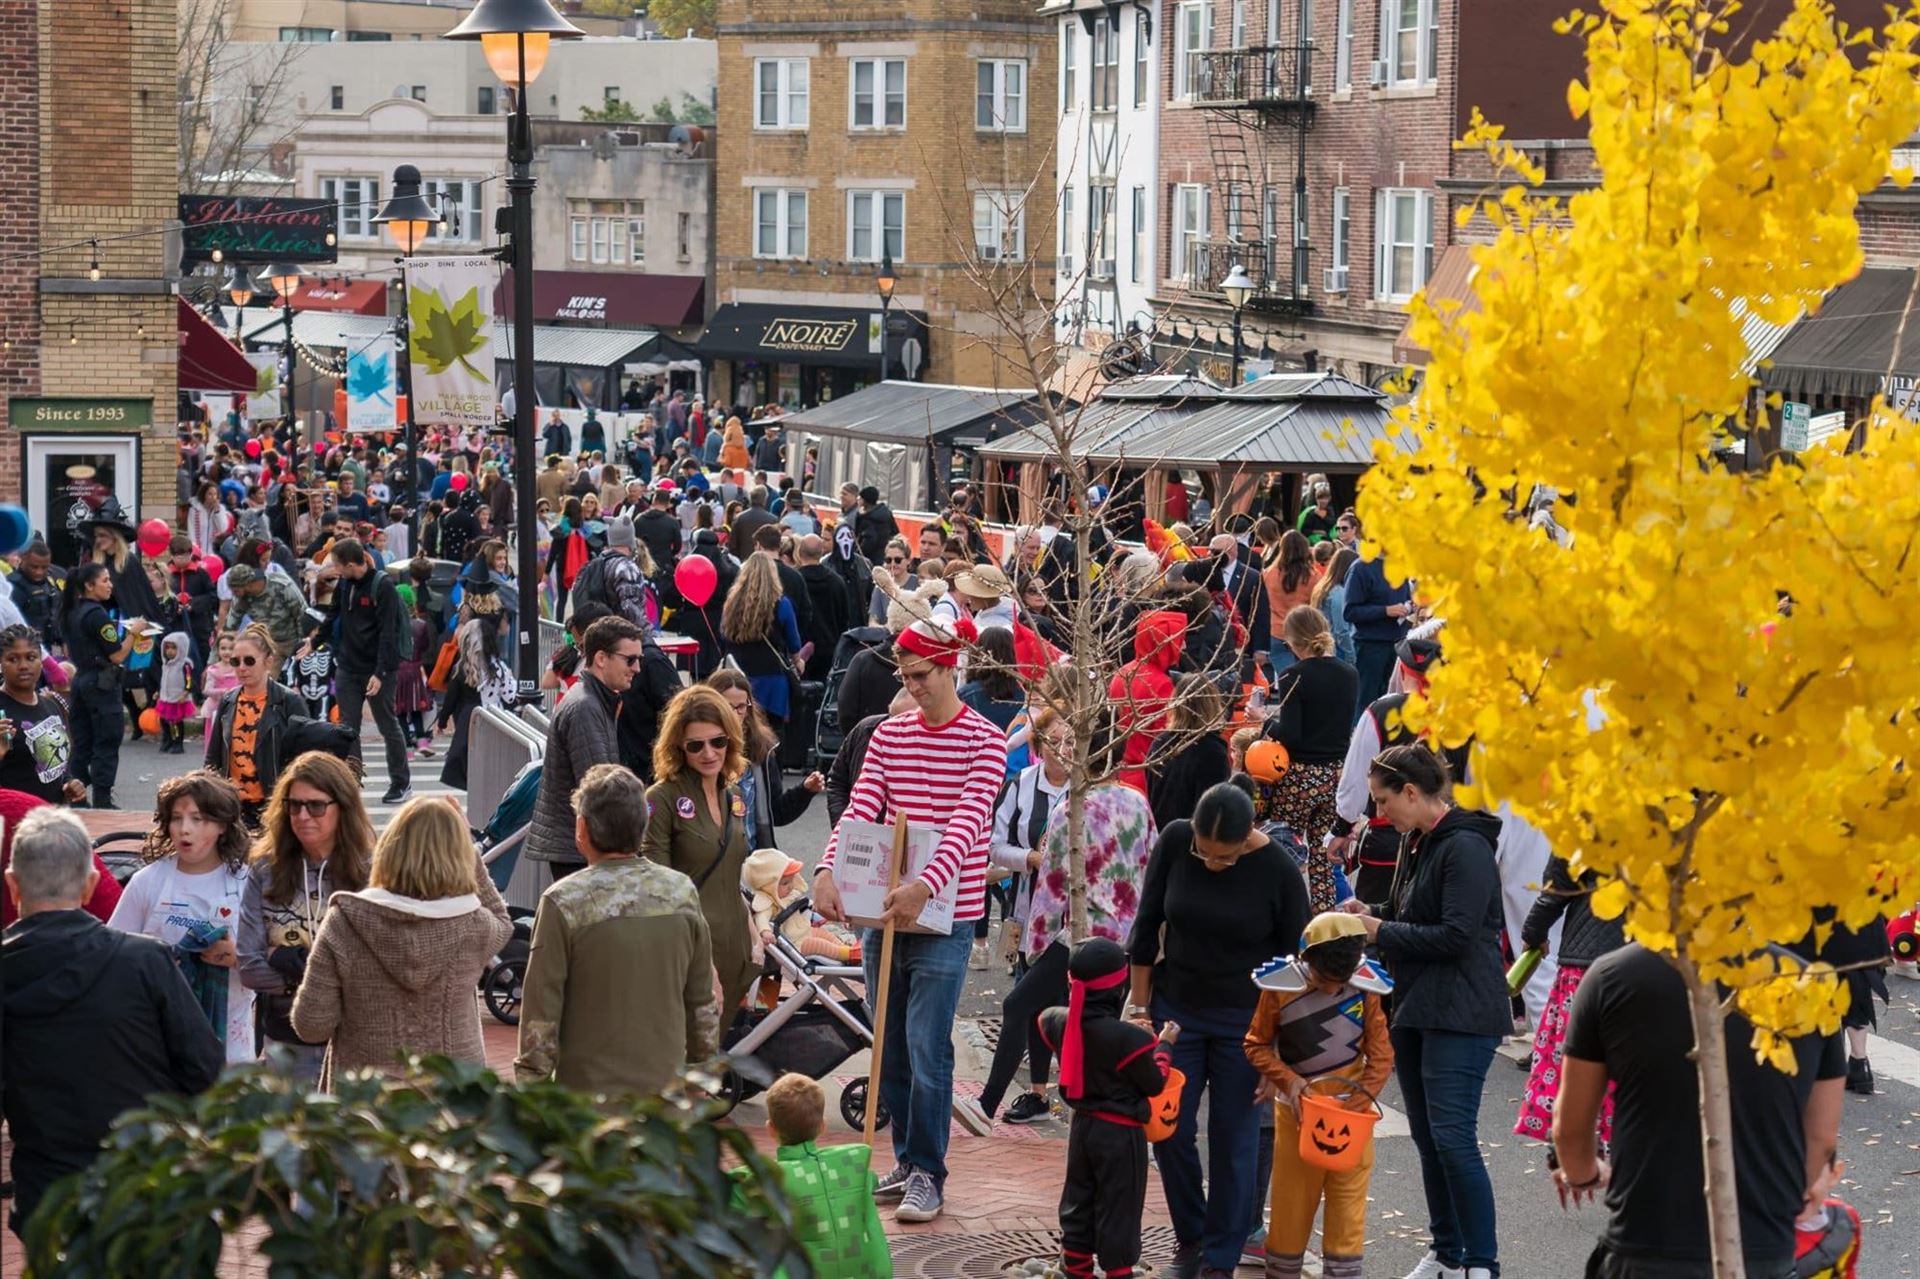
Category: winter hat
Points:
column 1096, row 965
column 620, row 533
column 937, row 644
column 765, row 868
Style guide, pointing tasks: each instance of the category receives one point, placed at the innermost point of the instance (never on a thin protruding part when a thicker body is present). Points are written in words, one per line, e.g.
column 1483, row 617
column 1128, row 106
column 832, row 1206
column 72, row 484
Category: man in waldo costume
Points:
column 1113, row 1074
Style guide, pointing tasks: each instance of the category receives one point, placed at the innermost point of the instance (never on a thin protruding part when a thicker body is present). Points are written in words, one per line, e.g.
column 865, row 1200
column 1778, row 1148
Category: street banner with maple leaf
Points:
column 371, row 400
column 450, row 339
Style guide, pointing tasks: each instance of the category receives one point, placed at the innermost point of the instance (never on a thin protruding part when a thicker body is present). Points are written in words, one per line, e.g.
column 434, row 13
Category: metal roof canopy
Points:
column 1846, row 347
column 1092, row 430
column 1161, row 386
column 917, row 411
column 552, row 344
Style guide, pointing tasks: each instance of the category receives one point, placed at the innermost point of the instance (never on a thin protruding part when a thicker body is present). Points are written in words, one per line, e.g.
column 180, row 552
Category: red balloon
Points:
column 696, row 578
column 458, row 483
column 213, row 565
column 154, row 536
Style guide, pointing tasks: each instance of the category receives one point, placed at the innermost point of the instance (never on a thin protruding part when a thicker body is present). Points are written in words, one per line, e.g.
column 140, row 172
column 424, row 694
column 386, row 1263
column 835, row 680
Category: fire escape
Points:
column 1256, row 101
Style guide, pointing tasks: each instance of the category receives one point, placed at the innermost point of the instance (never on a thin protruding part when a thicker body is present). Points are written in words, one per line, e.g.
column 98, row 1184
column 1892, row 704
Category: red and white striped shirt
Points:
column 947, row 777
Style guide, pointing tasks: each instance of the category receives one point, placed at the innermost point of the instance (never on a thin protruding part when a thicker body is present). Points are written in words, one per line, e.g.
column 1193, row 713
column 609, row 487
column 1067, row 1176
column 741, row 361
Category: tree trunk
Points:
column 1716, row 1123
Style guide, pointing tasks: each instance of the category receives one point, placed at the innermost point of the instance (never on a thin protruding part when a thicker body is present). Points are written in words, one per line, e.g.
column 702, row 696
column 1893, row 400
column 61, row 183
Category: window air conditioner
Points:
column 1379, row 74
column 1333, row 279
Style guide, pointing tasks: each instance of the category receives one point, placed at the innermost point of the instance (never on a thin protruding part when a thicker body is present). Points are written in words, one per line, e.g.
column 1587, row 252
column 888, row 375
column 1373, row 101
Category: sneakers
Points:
column 981, row 957
column 894, row 1184
column 1186, row 1261
column 397, row 795
column 1479, row 1272
column 922, row 1201
column 1860, row 1076
column 972, row 1118
column 1431, row 1267
column 1028, row 1108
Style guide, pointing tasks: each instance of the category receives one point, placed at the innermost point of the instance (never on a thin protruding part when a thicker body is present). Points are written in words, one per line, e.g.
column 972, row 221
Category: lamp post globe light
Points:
column 409, row 219
column 516, row 36
column 285, row 278
column 1238, row 287
column 884, row 283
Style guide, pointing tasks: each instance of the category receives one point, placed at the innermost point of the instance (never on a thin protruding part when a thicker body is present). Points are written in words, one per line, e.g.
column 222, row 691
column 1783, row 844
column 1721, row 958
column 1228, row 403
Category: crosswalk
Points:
column 425, row 775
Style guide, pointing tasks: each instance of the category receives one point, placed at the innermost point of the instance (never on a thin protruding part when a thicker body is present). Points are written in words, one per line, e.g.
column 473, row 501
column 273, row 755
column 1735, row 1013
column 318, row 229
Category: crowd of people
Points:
column 1253, row 805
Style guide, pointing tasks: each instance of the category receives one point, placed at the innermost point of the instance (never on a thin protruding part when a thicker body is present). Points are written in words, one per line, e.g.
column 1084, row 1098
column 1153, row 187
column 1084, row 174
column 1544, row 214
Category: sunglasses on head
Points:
column 701, row 745
column 315, row 808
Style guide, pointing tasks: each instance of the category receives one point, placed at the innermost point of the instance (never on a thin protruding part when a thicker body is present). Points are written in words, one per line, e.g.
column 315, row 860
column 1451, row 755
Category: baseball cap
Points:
column 242, row 575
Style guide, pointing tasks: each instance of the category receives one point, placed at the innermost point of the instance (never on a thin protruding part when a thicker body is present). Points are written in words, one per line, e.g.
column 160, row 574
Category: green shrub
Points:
column 445, row 1172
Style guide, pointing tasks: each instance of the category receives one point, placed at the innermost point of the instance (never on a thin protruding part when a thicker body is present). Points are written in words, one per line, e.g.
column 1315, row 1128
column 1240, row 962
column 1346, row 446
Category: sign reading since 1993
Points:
column 78, row 415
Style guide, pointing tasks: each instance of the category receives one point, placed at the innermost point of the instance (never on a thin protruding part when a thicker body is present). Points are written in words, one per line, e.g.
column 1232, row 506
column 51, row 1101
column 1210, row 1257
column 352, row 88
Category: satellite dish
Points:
column 688, row 139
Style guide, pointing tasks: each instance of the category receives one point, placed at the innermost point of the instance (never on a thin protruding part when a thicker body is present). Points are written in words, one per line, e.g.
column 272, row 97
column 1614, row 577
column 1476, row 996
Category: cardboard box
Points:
column 861, row 871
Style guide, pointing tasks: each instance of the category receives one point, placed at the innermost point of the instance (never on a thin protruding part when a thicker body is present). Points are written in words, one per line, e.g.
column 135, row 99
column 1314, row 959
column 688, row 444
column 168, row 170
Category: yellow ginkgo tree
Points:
column 1727, row 767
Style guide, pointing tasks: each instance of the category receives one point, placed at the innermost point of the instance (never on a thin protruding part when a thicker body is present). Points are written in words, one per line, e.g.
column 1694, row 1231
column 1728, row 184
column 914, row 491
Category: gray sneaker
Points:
column 894, row 1184
column 922, row 1200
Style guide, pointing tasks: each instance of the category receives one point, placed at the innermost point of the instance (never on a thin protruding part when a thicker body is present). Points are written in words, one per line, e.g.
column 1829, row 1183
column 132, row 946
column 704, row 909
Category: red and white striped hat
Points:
column 938, row 644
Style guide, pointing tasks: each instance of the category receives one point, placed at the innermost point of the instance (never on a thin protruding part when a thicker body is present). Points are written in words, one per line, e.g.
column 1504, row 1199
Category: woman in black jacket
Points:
column 1189, row 757
column 1584, row 937
column 1312, row 716
column 246, row 741
column 1440, row 937
column 770, row 804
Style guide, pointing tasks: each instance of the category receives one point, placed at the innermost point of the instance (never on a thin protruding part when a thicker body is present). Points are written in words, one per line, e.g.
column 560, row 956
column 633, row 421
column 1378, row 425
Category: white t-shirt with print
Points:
column 163, row 902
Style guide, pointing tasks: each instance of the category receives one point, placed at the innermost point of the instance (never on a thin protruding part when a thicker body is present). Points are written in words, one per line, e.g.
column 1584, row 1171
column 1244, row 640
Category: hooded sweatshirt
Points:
column 1142, row 689
column 1122, row 1065
column 1440, row 933
column 97, row 1022
column 390, row 975
column 174, row 673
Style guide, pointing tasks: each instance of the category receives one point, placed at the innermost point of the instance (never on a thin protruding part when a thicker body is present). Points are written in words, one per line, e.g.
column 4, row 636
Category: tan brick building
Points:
column 89, row 376
column 849, row 128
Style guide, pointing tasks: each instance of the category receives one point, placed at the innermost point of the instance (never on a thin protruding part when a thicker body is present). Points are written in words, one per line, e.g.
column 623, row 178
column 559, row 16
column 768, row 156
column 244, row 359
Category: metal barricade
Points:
column 499, row 745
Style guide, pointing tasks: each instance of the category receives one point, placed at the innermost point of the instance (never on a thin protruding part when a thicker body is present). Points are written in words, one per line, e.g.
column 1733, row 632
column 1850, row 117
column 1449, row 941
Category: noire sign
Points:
column 248, row 229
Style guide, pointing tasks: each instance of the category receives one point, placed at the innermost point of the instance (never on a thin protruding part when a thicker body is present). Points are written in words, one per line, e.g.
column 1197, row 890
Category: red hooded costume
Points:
column 1142, row 690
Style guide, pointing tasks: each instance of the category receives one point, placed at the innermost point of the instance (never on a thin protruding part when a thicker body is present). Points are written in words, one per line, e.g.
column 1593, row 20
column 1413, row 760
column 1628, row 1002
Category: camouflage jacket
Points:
column 281, row 608
column 619, row 987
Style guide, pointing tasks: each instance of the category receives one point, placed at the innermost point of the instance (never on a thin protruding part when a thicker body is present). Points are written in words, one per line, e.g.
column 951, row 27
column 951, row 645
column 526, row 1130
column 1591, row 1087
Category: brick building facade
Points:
column 851, row 128
column 92, row 100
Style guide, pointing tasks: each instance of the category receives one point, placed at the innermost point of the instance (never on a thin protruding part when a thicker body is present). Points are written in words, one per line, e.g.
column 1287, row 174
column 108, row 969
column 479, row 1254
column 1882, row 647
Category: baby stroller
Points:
column 504, row 980
column 811, row 1031
column 121, row 852
column 829, row 732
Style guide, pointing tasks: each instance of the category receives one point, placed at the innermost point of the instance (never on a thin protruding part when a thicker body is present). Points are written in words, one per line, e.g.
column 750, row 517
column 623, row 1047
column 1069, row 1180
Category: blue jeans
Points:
column 1373, row 661
column 916, row 1075
column 1279, row 657
column 1442, row 1075
column 1211, row 1209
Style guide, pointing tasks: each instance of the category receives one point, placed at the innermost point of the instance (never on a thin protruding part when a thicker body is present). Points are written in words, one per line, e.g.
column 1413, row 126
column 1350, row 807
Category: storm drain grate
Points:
column 1005, row 1253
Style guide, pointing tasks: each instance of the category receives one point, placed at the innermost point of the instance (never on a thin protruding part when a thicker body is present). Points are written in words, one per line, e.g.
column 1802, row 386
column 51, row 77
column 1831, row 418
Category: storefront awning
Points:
column 1450, row 291
column 828, row 336
column 636, row 300
column 1846, row 348
column 919, row 412
column 209, row 361
column 357, row 297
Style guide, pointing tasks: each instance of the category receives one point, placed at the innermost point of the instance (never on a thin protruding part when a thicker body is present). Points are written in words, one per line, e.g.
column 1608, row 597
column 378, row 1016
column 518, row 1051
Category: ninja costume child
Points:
column 1319, row 1014
column 1110, row 1072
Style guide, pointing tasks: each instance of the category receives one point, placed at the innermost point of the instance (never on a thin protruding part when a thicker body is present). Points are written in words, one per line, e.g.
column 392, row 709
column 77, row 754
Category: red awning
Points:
column 361, row 297
column 612, row 297
column 209, row 361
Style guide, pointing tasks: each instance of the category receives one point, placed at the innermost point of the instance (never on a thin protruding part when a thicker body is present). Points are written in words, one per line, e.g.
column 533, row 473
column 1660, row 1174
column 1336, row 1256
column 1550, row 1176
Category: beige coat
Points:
column 391, row 975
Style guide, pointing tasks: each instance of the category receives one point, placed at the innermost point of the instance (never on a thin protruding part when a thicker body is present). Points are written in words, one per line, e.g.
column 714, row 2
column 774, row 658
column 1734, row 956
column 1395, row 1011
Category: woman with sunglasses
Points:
column 897, row 560
column 699, row 825
column 243, row 742
column 318, row 841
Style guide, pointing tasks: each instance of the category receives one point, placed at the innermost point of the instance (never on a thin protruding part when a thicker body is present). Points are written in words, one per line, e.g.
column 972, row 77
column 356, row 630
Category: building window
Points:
column 1343, row 47
column 779, row 223
column 879, row 93
column 1409, row 41
column 1137, row 267
column 999, row 226
column 1342, row 227
column 1069, row 54
column 484, row 104
column 780, row 93
column 306, row 35
column 1100, row 202
column 1142, row 58
column 1237, row 25
column 337, row 98
column 607, row 232
column 458, row 202
column 371, row 37
column 359, row 200
column 610, row 93
column 1104, row 79
column 683, row 236
column 1068, row 233
column 1270, row 218
column 1189, row 228
column 868, row 209
column 1192, row 32
column 1000, row 95
column 1403, row 243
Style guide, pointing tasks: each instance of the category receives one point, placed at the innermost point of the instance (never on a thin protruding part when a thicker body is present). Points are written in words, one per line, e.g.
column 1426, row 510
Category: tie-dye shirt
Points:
column 1119, row 838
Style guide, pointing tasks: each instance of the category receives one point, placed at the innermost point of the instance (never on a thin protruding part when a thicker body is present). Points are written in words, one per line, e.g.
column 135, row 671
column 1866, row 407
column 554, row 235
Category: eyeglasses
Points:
column 919, row 676
column 245, row 661
column 314, row 808
column 896, row 559
column 631, row 659
column 701, row 745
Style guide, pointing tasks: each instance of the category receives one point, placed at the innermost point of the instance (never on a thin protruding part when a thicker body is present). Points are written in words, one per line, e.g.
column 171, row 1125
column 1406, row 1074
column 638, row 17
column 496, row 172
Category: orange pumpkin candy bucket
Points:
column 1164, row 1108
column 1332, row 1135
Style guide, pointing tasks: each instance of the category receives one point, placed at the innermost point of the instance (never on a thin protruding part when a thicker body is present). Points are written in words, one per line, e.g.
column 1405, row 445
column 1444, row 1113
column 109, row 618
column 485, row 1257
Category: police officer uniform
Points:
column 99, row 720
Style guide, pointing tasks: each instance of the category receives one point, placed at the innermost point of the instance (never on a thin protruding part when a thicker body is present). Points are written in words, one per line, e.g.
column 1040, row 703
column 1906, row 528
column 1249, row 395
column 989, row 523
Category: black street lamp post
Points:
column 285, row 278
column 1238, row 286
column 516, row 36
column 884, row 282
column 409, row 220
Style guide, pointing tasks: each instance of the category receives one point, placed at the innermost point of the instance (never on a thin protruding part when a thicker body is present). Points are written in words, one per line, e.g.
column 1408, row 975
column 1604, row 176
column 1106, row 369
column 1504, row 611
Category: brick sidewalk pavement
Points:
column 1006, row 1186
